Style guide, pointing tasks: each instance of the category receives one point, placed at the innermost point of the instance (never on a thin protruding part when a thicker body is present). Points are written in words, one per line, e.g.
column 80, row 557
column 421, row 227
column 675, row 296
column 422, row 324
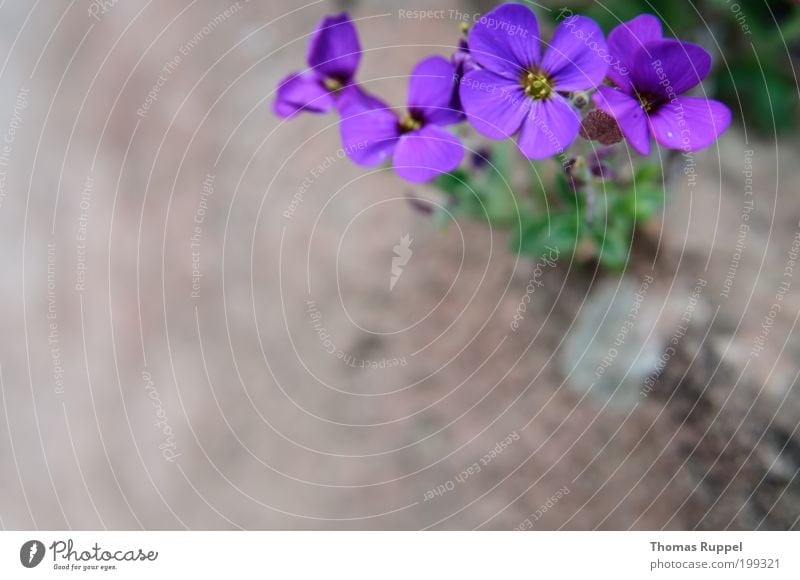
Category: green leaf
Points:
column 565, row 191
column 542, row 234
column 467, row 200
column 502, row 155
column 613, row 245
column 640, row 203
column 647, row 173
column 453, row 182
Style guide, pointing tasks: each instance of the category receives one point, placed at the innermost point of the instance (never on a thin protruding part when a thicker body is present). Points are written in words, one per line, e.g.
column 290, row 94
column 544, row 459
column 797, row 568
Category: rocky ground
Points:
column 200, row 330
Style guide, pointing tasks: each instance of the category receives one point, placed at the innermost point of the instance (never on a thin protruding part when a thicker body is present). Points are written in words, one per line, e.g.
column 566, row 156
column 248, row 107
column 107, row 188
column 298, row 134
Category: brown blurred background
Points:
column 183, row 345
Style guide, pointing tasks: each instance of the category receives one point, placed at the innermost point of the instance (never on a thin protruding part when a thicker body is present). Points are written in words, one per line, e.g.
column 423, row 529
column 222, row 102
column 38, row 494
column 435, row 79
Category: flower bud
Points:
column 580, row 99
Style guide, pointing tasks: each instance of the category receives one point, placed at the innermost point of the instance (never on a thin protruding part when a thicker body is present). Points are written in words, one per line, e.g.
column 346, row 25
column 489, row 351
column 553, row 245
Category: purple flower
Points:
column 652, row 74
column 333, row 56
column 421, row 148
column 518, row 89
column 462, row 59
column 464, row 63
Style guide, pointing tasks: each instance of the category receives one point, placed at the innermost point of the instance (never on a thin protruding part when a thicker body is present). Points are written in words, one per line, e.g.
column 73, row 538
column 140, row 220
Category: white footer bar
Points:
column 400, row 555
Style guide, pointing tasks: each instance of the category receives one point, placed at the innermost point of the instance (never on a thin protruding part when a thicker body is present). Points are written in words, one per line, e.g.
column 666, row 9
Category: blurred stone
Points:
column 623, row 335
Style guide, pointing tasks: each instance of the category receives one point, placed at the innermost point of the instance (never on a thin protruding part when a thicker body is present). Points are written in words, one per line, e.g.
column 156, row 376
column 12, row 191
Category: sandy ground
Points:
column 287, row 386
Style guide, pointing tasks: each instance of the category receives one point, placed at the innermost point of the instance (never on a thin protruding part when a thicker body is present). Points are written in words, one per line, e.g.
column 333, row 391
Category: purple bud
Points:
column 420, row 205
column 481, row 158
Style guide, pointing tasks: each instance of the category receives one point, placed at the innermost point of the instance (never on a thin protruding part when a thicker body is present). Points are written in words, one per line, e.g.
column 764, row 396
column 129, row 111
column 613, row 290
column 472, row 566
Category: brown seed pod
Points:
column 599, row 126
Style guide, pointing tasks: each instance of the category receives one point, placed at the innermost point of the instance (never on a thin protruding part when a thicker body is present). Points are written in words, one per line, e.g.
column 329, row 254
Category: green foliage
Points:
column 462, row 194
column 613, row 246
column 553, row 214
column 485, row 194
column 539, row 234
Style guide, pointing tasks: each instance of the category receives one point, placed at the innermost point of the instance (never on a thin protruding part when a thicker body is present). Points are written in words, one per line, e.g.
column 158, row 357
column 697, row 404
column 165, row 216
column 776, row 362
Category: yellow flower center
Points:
column 537, row 84
column 410, row 123
column 646, row 102
column 333, row 85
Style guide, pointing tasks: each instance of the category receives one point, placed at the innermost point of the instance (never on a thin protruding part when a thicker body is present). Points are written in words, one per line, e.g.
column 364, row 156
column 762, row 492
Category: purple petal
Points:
column 424, row 154
column 624, row 41
column 629, row 114
column 352, row 100
column 462, row 59
column 550, row 127
column 302, row 92
column 689, row 123
column 369, row 137
column 668, row 68
column 495, row 106
column 334, row 50
column 430, row 91
column 577, row 58
column 506, row 40
column 464, row 63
